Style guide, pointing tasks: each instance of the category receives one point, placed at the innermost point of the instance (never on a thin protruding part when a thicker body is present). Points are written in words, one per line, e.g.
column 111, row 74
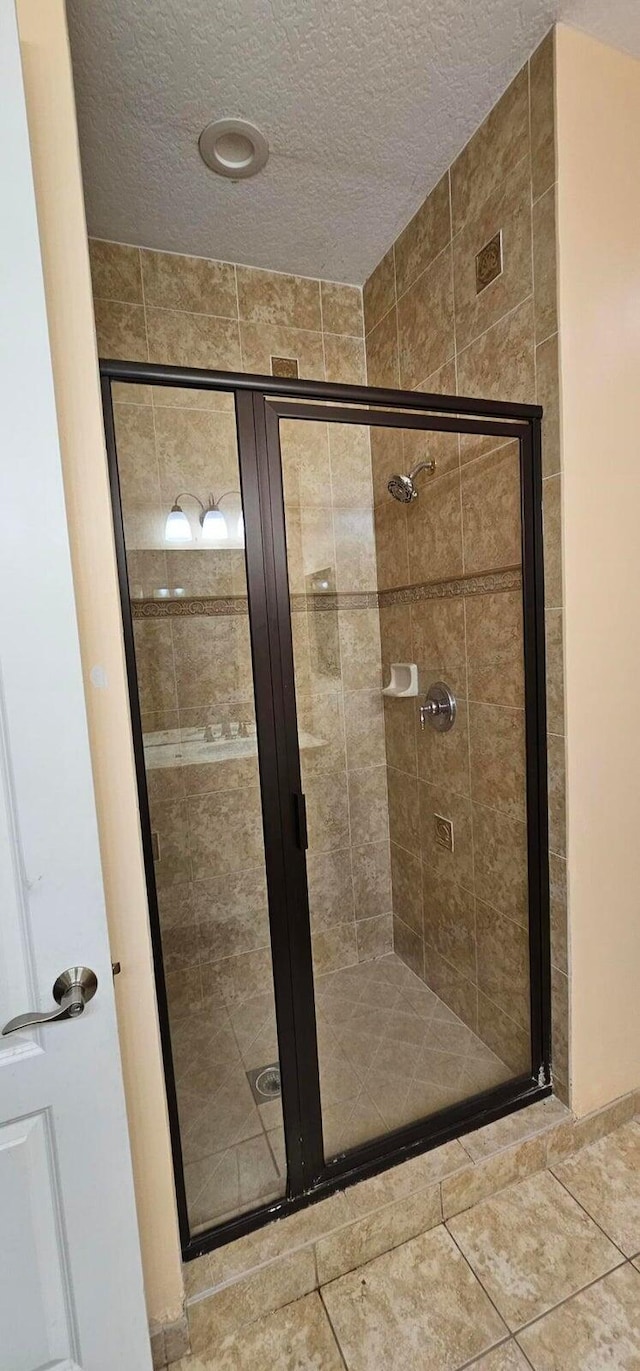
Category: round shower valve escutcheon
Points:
column 439, row 709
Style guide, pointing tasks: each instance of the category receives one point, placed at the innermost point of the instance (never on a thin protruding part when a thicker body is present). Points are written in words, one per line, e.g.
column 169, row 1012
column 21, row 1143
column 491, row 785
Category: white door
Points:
column 71, row 1290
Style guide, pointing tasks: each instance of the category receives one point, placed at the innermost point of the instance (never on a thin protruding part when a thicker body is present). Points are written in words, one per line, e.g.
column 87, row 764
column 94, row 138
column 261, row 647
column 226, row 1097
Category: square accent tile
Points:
column 418, row 1308
column 532, row 1246
column 598, row 1328
column 605, row 1179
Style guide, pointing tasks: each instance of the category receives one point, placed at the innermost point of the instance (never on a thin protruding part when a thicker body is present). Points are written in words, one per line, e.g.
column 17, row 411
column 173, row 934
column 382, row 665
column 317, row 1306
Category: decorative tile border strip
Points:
column 186, row 606
column 356, row 599
column 486, row 583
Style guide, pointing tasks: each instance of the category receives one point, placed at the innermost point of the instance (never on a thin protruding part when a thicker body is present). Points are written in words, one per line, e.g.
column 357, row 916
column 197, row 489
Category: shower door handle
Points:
column 300, row 812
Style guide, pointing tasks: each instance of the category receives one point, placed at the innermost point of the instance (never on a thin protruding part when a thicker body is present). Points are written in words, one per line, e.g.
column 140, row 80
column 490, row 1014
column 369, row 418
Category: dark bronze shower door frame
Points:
column 261, row 401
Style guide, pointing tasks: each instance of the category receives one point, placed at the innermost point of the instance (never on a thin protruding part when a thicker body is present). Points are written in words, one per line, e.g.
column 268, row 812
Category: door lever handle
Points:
column 71, row 991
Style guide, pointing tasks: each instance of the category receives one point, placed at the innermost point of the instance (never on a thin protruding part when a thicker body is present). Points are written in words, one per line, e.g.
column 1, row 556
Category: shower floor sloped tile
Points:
column 409, row 1053
column 390, row 1053
column 231, row 1164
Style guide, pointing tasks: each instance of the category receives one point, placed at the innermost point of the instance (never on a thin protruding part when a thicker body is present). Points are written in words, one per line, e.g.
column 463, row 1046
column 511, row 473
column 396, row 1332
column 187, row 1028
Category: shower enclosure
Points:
column 332, row 606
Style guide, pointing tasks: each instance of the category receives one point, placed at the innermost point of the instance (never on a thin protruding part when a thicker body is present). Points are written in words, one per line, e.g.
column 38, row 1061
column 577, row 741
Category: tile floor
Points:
column 390, row 1052
column 544, row 1275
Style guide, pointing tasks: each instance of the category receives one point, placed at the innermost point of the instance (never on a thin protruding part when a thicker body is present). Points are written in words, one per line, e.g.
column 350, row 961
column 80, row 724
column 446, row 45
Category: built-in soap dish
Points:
column 404, row 680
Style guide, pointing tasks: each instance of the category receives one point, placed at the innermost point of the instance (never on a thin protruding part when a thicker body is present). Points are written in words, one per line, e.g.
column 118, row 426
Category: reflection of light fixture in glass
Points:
column 215, row 528
column 214, row 525
column 177, row 528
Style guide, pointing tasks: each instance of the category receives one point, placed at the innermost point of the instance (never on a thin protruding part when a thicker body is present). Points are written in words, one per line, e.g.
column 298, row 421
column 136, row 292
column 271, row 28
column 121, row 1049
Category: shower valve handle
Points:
column 439, row 708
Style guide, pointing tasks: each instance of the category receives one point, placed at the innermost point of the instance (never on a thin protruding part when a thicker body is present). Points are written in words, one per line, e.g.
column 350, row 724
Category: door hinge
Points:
column 300, row 812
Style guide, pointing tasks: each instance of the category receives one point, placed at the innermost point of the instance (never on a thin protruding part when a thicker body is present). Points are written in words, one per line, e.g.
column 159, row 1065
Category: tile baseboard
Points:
column 169, row 1342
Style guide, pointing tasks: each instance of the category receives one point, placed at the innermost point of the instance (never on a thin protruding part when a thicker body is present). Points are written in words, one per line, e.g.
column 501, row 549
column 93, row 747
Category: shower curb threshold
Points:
column 237, row 1284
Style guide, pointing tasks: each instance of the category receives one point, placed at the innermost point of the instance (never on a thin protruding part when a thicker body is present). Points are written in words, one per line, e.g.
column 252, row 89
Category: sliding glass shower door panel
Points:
column 404, row 557
column 184, row 538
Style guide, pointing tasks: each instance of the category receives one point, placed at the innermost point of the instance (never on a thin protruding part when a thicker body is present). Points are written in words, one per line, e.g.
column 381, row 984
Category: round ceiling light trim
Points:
column 233, row 148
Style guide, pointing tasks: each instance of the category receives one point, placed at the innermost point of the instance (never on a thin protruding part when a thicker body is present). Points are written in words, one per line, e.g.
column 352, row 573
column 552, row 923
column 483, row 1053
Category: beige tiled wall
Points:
column 460, row 919
column 330, row 542
column 196, row 669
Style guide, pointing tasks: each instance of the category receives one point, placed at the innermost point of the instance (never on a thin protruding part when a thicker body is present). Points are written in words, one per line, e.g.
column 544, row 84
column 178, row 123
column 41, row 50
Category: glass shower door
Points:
column 404, row 567
column 184, row 544
column 334, row 638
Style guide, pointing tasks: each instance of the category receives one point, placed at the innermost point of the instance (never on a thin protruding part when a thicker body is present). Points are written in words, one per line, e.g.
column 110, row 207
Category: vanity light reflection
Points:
column 215, row 524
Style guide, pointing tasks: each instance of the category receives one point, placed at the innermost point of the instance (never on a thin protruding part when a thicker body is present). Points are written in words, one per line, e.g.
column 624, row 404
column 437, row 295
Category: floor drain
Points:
column 265, row 1082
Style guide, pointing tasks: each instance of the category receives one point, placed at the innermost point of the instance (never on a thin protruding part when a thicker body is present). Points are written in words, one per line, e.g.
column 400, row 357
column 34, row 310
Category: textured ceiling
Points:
column 364, row 103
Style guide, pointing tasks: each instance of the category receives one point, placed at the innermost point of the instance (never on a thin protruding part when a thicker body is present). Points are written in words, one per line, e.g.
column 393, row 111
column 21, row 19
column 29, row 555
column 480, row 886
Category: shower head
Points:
column 402, row 487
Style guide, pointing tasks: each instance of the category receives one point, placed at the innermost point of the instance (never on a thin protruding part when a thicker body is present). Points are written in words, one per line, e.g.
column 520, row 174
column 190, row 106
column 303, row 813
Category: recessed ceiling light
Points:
column 233, row 147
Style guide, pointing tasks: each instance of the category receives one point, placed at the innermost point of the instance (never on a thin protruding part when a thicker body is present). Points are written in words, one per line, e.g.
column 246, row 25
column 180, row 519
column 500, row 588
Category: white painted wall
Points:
column 598, row 133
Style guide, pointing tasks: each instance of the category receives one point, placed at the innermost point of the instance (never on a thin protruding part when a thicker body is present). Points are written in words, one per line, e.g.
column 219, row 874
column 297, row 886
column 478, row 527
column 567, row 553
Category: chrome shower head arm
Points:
column 421, row 466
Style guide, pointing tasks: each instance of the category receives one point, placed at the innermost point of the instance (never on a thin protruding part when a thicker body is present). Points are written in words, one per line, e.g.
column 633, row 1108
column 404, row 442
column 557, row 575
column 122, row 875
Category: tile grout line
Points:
column 567, row 1300
column 225, row 318
column 515, row 1333
column 333, row 1331
column 469, row 1365
column 479, row 1280
column 579, row 1203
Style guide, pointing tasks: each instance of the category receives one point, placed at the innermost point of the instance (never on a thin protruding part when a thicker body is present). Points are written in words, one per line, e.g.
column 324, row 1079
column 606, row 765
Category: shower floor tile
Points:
column 390, row 1052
